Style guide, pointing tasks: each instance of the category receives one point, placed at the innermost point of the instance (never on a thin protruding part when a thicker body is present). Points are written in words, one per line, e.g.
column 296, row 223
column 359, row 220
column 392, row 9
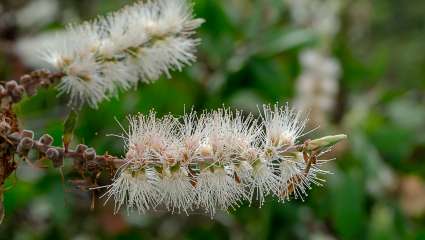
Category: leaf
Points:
column 69, row 127
column 348, row 204
column 280, row 41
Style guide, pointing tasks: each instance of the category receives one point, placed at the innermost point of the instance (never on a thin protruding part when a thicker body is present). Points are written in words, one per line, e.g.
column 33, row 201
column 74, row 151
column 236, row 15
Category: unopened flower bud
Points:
column 40, row 73
column 28, row 134
column 20, row 90
column 25, row 79
column 3, row 91
column 52, row 153
column 91, row 165
column 17, row 93
column 11, row 85
column 89, row 154
column 4, row 128
column 24, row 146
column 325, row 142
column 27, row 143
column 81, row 148
column 56, row 157
column 46, row 139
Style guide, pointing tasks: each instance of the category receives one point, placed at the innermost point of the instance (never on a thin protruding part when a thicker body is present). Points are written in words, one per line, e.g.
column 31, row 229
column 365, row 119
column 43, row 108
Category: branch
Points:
column 85, row 158
column 13, row 91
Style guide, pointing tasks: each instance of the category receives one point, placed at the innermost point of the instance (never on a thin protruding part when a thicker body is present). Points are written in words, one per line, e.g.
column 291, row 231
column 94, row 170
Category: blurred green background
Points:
column 251, row 53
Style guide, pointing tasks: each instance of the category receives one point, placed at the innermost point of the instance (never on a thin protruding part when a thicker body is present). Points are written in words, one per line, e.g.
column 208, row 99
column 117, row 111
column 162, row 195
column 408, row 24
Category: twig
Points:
column 12, row 91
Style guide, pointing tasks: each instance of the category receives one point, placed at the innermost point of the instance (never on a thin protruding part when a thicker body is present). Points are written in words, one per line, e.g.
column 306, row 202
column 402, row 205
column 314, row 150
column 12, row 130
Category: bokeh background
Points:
column 357, row 66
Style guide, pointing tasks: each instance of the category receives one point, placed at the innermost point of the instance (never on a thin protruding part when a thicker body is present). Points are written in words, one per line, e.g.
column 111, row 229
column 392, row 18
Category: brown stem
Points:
column 12, row 91
column 83, row 157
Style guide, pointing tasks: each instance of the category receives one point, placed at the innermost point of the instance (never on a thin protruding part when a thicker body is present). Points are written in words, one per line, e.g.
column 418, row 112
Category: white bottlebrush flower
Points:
column 150, row 139
column 217, row 189
column 29, row 49
column 136, row 188
column 292, row 178
column 295, row 180
column 141, row 42
column 322, row 16
column 213, row 162
column 37, row 13
column 265, row 181
column 318, row 85
column 144, row 194
column 176, row 189
column 283, row 126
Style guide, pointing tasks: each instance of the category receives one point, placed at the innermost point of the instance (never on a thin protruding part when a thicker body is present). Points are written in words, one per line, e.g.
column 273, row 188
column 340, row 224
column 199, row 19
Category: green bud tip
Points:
column 325, row 142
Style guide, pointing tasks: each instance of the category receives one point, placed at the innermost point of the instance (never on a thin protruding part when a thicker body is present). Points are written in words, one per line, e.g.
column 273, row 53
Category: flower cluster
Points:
column 138, row 43
column 214, row 161
column 318, row 85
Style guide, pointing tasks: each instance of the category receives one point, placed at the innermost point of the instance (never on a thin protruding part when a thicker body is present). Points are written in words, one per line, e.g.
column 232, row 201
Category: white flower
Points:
column 37, row 13
column 141, row 42
column 177, row 192
column 265, row 181
column 295, row 180
column 213, row 162
column 151, row 140
column 322, row 16
column 283, row 127
column 136, row 188
column 217, row 189
column 317, row 86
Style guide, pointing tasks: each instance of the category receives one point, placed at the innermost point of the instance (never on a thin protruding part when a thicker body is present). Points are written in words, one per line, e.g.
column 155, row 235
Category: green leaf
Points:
column 69, row 127
column 280, row 41
column 348, row 204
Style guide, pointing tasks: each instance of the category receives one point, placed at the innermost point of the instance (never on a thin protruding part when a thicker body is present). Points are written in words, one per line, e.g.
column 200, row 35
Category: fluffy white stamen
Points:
column 140, row 42
column 213, row 162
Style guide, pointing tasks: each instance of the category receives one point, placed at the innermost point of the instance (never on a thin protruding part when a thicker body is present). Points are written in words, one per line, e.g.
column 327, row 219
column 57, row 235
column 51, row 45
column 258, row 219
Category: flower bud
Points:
column 19, row 90
column 25, row 79
column 4, row 128
column 325, row 142
column 17, row 93
column 89, row 154
column 81, row 148
column 28, row 134
column 27, row 143
column 3, row 91
column 56, row 157
column 24, row 146
column 52, row 153
column 91, row 165
column 46, row 139
column 11, row 85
